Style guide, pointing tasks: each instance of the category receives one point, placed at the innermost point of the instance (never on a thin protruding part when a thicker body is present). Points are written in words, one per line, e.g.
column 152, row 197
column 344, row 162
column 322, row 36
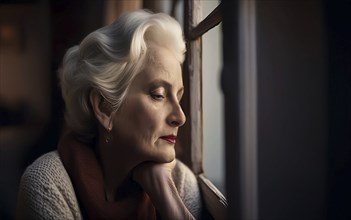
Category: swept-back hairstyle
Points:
column 108, row 59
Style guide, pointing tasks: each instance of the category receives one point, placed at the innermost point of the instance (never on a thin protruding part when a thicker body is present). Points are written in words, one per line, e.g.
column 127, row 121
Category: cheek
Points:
column 144, row 118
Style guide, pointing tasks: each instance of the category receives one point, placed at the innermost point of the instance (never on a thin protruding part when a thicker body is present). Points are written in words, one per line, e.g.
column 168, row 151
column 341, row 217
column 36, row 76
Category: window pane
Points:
column 213, row 146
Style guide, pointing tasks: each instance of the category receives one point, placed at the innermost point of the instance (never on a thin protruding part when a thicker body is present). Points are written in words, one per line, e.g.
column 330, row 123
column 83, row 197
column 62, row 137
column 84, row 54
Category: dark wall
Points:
column 339, row 153
column 292, row 110
column 304, row 109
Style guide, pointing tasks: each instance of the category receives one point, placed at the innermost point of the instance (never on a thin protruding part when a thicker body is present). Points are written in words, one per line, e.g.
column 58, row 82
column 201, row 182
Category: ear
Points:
column 102, row 112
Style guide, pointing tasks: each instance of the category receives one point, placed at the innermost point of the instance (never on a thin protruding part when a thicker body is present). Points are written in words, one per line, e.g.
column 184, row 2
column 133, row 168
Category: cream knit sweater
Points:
column 46, row 191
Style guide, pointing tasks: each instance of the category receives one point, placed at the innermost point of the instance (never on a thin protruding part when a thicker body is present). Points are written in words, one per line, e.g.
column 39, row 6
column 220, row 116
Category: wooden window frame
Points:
column 192, row 132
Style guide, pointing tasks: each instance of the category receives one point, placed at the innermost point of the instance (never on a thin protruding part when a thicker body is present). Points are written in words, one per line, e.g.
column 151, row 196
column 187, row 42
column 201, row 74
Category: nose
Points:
column 177, row 117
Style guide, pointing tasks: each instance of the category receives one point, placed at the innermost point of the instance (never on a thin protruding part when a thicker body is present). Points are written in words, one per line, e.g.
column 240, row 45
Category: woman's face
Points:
column 145, row 127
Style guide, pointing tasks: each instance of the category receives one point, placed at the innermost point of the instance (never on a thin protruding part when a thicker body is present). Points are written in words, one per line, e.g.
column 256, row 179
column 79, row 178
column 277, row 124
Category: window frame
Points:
column 192, row 132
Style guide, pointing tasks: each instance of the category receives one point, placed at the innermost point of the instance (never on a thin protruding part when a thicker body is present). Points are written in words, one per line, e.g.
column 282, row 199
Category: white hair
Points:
column 108, row 59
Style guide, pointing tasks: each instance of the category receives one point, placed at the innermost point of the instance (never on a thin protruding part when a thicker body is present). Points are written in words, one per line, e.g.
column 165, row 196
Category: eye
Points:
column 157, row 97
column 158, row 94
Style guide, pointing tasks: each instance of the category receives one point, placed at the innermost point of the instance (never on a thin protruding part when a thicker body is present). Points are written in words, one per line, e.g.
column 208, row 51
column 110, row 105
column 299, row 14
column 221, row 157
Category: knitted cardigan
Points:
column 46, row 191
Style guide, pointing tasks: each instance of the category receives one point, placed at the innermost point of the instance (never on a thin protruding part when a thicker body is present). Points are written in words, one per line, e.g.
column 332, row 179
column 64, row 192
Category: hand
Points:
column 156, row 180
column 147, row 173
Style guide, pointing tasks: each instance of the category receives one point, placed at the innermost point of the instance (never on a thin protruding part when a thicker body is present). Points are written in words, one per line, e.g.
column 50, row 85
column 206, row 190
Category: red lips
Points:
column 169, row 138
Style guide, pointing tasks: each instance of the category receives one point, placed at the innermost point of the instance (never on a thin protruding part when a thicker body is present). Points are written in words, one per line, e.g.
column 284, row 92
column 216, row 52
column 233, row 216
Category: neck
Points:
column 117, row 170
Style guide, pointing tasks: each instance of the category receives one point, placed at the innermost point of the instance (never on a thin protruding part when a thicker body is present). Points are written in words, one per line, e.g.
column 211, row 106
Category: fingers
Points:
column 149, row 172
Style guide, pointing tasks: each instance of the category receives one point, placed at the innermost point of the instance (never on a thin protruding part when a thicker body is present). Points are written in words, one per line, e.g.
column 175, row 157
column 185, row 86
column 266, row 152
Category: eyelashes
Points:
column 157, row 97
column 161, row 94
column 158, row 94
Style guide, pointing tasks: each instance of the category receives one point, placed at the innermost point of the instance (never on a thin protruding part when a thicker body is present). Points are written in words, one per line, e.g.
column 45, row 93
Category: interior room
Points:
column 267, row 98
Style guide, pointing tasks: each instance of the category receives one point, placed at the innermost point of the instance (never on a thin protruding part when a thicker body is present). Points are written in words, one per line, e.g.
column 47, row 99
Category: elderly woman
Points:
column 122, row 87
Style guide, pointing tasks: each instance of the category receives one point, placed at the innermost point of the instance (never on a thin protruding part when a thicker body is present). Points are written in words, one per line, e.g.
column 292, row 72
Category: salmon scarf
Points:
column 86, row 174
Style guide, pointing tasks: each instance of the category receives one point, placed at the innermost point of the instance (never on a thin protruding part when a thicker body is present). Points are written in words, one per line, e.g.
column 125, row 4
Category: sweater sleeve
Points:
column 46, row 191
column 188, row 188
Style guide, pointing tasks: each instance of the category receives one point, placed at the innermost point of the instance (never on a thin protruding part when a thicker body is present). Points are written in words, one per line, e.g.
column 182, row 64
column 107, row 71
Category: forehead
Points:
column 161, row 63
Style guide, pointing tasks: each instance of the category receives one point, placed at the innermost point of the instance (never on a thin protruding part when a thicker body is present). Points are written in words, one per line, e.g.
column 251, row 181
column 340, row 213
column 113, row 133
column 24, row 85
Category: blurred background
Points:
column 34, row 35
column 303, row 52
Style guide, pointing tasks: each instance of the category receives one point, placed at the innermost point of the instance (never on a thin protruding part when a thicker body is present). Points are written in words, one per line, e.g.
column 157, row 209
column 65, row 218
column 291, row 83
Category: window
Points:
column 212, row 97
column 194, row 28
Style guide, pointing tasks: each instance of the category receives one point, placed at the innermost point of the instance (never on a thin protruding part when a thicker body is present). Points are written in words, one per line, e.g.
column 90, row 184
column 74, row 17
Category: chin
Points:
column 166, row 157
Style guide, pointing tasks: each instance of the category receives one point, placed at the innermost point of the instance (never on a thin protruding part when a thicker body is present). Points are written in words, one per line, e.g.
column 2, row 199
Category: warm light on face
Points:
column 147, row 123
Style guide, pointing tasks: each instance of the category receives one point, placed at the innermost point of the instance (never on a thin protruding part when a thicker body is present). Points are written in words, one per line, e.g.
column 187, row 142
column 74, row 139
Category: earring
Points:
column 108, row 136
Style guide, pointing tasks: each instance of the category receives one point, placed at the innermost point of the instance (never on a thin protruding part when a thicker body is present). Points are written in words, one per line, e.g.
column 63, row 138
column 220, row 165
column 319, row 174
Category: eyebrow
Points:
column 164, row 83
